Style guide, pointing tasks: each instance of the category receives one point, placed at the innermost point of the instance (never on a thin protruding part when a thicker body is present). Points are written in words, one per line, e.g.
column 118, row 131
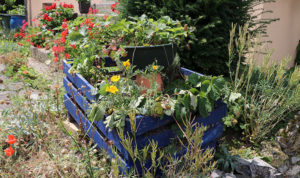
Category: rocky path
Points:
column 10, row 89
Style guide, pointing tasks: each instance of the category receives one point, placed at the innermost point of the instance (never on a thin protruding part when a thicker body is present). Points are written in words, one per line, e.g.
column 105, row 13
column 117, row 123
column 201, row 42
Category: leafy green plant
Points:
column 120, row 95
column 226, row 161
column 113, row 34
column 17, row 10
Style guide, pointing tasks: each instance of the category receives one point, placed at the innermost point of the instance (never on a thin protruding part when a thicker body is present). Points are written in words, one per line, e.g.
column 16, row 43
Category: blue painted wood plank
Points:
column 79, row 99
column 80, row 82
column 92, row 132
column 215, row 116
column 188, row 72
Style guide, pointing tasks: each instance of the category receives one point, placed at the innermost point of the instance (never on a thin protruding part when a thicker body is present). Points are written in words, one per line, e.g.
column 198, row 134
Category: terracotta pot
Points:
column 145, row 81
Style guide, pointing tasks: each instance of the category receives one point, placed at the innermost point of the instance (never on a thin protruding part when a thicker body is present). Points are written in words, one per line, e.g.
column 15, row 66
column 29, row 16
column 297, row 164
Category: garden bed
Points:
column 79, row 98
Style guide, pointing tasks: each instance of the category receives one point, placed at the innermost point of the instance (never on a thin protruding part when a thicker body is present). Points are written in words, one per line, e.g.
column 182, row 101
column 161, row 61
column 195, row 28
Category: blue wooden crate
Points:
column 148, row 124
column 144, row 124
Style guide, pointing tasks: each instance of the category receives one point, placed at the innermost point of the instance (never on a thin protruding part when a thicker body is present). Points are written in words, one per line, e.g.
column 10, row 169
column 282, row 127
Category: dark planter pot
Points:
column 5, row 21
column 16, row 21
column 142, row 56
column 84, row 7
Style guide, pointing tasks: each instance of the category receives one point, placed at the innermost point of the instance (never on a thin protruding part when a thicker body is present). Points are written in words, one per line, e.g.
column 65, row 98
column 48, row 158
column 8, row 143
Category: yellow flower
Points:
column 126, row 64
column 155, row 67
column 115, row 78
column 112, row 89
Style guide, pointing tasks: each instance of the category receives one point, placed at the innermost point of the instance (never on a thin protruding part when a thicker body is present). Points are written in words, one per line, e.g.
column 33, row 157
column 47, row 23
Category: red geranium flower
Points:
column 62, row 40
column 9, row 152
column 11, row 139
column 20, row 44
column 64, row 25
column 62, row 49
column 113, row 8
column 65, row 33
column 67, row 55
column 16, row 35
column 56, row 59
column 87, row 21
column 73, row 46
column 90, row 11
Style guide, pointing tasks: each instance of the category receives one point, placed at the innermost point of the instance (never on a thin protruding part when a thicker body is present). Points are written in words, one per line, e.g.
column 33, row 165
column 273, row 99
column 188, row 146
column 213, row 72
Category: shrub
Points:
column 261, row 96
column 206, row 49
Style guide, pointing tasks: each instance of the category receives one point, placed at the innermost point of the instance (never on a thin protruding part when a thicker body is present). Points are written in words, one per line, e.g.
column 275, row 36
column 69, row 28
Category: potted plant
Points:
column 17, row 16
column 84, row 6
column 150, row 79
column 147, row 40
column 5, row 6
column 54, row 15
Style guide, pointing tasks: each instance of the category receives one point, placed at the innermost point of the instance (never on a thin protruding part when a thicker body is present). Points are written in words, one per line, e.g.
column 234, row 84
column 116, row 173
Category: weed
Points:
column 261, row 96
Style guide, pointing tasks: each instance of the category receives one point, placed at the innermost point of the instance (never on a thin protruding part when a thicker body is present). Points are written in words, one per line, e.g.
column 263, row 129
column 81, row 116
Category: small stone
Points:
column 34, row 96
column 294, row 171
column 295, row 159
column 64, row 151
column 1, row 81
column 282, row 141
column 2, row 66
column 216, row 174
column 260, row 168
column 2, row 101
column 229, row 175
column 243, row 167
column 283, row 168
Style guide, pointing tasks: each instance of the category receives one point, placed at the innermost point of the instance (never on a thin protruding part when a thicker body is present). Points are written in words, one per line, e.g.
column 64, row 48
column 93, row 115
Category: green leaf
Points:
column 99, row 114
column 194, row 102
column 204, row 105
column 194, row 91
column 193, row 79
column 102, row 90
column 75, row 36
column 205, row 86
column 218, row 82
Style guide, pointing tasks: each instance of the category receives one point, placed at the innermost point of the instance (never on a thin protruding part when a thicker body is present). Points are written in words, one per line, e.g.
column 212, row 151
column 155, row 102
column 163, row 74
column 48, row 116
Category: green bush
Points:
column 260, row 96
column 206, row 49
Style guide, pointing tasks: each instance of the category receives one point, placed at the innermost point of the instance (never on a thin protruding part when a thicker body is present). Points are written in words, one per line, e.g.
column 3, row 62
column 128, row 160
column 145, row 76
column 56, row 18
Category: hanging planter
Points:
column 84, row 6
column 142, row 56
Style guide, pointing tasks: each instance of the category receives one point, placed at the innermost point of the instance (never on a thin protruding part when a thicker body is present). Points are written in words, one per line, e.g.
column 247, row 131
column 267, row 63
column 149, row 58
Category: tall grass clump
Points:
column 261, row 96
column 168, row 161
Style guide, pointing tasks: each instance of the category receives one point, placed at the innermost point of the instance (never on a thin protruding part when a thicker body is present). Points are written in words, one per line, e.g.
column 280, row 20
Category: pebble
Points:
column 295, row 159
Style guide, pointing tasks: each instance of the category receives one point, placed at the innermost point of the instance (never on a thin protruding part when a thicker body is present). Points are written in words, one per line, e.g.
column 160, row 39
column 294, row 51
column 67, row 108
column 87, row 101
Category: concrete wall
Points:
column 34, row 7
column 285, row 33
